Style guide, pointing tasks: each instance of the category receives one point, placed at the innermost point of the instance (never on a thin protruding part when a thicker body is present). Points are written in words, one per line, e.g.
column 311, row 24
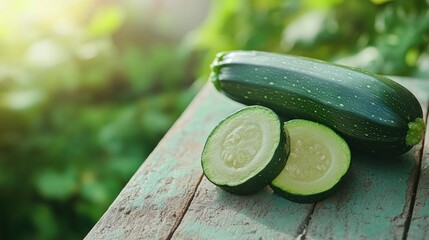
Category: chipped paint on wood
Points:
column 419, row 222
column 168, row 198
column 155, row 199
column 376, row 200
column 370, row 202
column 216, row 214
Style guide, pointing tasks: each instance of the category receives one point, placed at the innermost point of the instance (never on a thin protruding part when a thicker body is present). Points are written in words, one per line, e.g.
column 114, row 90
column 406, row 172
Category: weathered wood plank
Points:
column 419, row 227
column 370, row 203
column 375, row 200
column 167, row 197
column 216, row 214
column 155, row 199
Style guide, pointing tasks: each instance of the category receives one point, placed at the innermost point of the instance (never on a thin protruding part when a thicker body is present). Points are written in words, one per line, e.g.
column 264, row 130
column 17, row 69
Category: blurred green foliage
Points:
column 385, row 36
column 88, row 88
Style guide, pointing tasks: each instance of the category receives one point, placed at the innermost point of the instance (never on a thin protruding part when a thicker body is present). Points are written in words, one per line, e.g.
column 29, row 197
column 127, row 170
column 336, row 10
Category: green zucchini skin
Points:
column 373, row 113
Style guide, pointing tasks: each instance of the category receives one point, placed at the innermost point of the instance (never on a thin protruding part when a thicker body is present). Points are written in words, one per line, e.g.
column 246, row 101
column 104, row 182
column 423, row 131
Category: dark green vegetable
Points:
column 372, row 112
column 246, row 150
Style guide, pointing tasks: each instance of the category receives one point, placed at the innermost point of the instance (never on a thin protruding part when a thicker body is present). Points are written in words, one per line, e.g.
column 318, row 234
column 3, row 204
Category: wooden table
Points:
column 168, row 197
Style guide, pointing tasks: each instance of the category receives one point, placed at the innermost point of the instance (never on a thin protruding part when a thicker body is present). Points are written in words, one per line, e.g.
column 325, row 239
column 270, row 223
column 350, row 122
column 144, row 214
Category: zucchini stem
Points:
column 415, row 132
column 214, row 76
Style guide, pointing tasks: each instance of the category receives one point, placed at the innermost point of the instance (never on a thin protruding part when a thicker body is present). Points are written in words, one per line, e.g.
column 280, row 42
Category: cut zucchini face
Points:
column 318, row 161
column 246, row 150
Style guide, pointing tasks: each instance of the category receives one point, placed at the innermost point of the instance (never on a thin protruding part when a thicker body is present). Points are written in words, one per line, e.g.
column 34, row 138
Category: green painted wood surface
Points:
column 216, row 214
column 168, row 197
column 376, row 199
column 419, row 227
column 155, row 199
column 419, row 220
column 373, row 202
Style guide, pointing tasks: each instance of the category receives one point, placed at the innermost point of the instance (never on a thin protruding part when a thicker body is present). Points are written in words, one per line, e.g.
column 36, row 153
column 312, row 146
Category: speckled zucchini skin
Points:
column 372, row 112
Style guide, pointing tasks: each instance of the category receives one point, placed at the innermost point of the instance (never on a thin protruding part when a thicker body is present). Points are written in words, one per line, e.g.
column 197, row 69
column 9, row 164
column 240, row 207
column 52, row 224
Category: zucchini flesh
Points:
column 245, row 151
column 372, row 112
column 318, row 161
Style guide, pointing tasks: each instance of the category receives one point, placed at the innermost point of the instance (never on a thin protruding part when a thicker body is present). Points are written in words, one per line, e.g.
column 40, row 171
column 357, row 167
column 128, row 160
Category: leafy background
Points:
column 88, row 87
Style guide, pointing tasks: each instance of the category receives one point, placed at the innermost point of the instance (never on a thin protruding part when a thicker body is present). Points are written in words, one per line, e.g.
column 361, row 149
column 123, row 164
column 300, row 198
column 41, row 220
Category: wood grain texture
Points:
column 370, row 204
column 216, row 214
column 155, row 199
column 169, row 198
column 419, row 225
column 377, row 197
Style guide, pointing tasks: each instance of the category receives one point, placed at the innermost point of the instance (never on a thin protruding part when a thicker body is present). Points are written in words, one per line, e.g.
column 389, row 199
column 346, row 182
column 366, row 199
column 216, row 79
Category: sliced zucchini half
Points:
column 245, row 151
column 319, row 159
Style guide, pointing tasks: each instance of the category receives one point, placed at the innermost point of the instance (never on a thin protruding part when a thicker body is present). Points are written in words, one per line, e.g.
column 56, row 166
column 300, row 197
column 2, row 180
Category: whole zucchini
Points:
column 372, row 112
